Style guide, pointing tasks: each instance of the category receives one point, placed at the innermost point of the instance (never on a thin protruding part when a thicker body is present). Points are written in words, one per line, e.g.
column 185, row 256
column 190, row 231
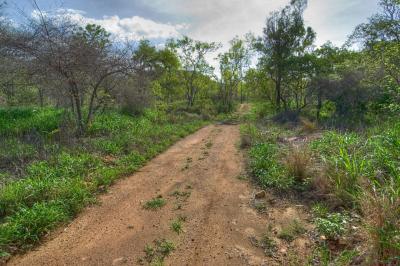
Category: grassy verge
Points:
column 353, row 177
column 56, row 181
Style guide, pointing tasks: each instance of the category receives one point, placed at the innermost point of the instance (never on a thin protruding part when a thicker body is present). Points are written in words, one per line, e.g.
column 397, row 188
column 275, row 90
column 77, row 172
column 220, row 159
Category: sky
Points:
column 206, row 20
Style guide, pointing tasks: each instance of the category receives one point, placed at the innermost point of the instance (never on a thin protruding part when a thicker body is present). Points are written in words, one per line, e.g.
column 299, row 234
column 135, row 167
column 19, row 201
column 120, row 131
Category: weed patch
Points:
column 154, row 204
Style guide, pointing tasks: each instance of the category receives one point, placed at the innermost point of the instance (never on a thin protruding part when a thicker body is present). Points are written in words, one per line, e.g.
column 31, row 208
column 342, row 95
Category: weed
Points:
column 242, row 177
column 291, row 231
column 260, row 207
column 155, row 203
column 209, row 145
column 176, row 225
column 156, row 255
column 333, row 226
column 269, row 245
column 320, row 210
column 182, row 194
column 307, row 125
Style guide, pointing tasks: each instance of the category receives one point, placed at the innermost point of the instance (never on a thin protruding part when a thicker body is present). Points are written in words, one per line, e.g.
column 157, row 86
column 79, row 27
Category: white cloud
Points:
column 221, row 20
column 132, row 28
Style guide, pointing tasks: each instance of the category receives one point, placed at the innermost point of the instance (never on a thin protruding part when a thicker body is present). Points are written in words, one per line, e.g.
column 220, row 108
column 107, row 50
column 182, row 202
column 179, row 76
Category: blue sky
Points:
column 208, row 20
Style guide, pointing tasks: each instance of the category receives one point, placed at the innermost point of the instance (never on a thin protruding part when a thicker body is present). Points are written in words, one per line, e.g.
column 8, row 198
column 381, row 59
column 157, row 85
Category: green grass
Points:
column 177, row 225
column 17, row 121
column 267, row 169
column 52, row 191
column 154, row 204
column 156, row 254
column 357, row 172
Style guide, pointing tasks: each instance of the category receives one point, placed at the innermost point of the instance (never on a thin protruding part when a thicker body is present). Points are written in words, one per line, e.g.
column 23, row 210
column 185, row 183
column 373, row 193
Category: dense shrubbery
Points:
column 51, row 189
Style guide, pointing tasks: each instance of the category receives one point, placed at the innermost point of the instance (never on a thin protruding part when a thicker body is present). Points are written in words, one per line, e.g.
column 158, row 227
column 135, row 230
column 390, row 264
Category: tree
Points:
column 382, row 27
column 380, row 38
column 169, row 78
column 192, row 55
column 233, row 64
column 285, row 36
column 78, row 62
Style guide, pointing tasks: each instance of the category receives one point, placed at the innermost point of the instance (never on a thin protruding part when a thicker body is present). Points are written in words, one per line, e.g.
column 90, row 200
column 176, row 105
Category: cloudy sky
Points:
column 208, row 20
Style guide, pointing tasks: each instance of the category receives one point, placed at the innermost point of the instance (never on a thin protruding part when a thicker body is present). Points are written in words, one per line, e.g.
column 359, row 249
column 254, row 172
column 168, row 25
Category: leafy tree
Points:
column 233, row 64
column 382, row 27
column 380, row 37
column 192, row 55
column 285, row 36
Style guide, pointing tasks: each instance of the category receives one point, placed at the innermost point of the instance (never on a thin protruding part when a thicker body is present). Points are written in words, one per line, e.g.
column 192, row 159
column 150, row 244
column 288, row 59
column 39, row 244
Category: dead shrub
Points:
column 245, row 141
column 298, row 162
column 382, row 220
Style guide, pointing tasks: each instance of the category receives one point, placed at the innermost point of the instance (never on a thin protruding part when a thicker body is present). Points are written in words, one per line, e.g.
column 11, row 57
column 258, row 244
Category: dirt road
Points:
column 198, row 177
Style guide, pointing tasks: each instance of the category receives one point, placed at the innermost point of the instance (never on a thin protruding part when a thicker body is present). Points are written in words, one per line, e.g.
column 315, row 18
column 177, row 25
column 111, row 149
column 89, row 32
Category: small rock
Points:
column 283, row 251
column 323, row 237
column 120, row 261
column 130, row 226
column 261, row 195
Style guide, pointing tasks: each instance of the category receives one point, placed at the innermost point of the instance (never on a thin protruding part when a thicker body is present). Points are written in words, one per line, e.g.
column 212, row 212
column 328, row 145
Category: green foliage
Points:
column 177, row 225
column 18, row 121
column 156, row 255
column 269, row 172
column 28, row 224
column 54, row 190
column 154, row 204
column 332, row 226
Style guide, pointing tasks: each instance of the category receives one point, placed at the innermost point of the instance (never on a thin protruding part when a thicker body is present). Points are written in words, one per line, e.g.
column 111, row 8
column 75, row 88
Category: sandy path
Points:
column 219, row 219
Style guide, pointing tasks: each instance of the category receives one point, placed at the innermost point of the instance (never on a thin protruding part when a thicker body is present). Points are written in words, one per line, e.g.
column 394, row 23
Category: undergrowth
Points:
column 50, row 186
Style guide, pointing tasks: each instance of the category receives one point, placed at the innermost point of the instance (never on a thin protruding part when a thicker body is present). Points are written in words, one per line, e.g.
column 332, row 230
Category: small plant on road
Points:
column 177, row 224
column 156, row 255
column 154, row 204
column 209, row 145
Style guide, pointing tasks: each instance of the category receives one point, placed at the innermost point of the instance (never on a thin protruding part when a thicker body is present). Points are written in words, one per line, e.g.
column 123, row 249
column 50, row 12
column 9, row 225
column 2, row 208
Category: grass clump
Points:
column 268, row 244
column 291, row 231
column 155, row 203
column 177, row 224
column 156, row 254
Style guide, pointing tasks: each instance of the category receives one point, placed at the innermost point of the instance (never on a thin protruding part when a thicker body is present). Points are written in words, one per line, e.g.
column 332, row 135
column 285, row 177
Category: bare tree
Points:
column 78, row 62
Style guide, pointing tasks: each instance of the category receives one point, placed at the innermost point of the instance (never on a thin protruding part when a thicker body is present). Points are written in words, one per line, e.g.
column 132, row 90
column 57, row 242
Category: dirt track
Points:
column 214, row 209
column 219, row 221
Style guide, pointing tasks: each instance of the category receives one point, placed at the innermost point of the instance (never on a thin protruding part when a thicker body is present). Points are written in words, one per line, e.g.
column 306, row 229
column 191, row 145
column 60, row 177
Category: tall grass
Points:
column 365, row 173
